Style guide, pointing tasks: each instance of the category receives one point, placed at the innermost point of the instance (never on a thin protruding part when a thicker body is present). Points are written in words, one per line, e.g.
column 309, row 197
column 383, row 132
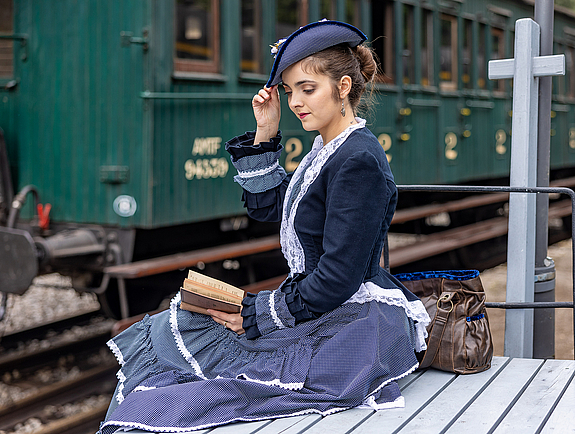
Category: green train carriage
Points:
column 117, row 112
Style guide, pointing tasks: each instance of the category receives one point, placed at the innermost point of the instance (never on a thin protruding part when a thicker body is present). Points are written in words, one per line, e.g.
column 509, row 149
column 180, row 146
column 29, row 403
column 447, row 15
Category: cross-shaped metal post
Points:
column 525, row 69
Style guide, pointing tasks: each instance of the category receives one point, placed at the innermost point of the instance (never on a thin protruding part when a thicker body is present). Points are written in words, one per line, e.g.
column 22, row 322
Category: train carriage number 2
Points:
column 204, row 168
column 450, row 144
column 294, row 148
column 385, row 142
column 500, row 138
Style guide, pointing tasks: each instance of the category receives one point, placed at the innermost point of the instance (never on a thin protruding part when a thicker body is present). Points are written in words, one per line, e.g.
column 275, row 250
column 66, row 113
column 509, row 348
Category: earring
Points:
column 342, row 109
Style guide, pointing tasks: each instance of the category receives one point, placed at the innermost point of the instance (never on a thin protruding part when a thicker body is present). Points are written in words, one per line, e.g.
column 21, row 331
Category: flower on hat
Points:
column 276, row 46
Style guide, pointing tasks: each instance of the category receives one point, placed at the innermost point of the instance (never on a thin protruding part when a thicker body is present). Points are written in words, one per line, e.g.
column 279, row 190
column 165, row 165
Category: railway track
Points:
column 465, row 236
column 452, row 239
column 40, row 406
column 35, row 347
column 57, row 377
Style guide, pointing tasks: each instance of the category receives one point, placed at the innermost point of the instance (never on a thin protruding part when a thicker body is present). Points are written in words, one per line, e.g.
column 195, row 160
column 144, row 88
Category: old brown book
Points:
column 200, row 301
column 199, row 293
column 198, row 288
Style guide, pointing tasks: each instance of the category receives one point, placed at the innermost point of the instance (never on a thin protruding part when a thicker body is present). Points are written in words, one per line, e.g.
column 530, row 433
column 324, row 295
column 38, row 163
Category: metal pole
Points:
column 544, row 319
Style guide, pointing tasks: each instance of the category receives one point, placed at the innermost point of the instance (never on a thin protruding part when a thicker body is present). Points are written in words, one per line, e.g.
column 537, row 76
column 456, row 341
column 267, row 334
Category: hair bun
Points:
column 367, row 63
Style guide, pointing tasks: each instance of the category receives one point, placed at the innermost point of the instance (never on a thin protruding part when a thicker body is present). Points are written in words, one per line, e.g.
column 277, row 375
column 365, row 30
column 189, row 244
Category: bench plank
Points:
column 407, row 380
column 241, row 427
column 455, row 398
column 561, row 420
column 417, row 395
column 539, row 398
column 342, row 422
column 290, row 425
column 486, row 410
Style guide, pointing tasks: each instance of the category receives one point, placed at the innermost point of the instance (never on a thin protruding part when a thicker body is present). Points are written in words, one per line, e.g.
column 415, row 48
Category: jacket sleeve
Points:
column 357, row 203
column 260, row 175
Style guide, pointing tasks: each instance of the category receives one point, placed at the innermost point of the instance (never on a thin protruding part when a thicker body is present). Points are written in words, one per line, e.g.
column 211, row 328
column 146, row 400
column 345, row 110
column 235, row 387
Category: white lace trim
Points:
column 415, row 310
column 254, row 173
column 178, row 337
column 141, row 388
column 116, row 351
column 166, row 429
column 120, row 375
column 241, row 419
column 370, row 403
column 276, row 382
column 121, row 379
column 399, row 377
column 315, row 159
column 277, row 321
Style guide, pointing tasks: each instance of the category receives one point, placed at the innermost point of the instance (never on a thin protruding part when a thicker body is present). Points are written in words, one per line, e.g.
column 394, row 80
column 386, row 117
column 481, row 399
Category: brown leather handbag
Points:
column 459, row 337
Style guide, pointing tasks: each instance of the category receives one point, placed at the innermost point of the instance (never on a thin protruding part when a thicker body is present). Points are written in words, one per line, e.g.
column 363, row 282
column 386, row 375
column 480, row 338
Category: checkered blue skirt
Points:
column 182, row 371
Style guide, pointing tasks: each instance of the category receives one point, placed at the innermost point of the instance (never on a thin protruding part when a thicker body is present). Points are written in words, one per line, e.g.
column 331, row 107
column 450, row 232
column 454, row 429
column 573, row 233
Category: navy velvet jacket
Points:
column 341, row 222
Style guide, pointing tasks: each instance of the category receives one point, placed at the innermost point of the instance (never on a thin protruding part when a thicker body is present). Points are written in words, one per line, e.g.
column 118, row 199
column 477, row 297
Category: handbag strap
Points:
column 436, row 333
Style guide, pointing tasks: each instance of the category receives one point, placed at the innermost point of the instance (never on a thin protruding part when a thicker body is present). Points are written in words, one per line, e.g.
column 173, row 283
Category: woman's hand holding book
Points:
column 232, row 321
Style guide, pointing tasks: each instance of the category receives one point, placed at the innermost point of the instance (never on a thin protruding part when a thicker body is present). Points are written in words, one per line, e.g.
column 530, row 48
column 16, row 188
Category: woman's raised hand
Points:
column 267, row 111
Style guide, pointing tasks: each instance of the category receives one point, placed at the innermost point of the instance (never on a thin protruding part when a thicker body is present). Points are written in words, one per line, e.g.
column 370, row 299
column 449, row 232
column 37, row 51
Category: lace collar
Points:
column 309, row 169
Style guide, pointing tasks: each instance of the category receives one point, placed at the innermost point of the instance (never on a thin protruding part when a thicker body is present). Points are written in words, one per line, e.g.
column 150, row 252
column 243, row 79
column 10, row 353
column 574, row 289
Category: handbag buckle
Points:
column 444, row 298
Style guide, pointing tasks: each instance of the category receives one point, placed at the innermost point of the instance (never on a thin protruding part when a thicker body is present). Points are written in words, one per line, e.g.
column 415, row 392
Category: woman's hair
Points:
column 335, row 62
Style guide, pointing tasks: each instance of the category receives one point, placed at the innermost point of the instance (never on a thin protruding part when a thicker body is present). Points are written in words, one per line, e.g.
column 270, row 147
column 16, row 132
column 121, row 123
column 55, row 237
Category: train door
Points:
column 10, row 47
column 561, row 134
column 81, row 122
column 420, row 140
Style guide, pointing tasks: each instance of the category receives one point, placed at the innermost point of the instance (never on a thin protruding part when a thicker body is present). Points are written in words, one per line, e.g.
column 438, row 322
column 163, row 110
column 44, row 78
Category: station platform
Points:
column 494, row 281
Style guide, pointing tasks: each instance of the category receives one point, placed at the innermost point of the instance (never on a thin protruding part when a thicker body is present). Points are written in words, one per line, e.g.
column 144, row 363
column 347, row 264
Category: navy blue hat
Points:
column 311, row 39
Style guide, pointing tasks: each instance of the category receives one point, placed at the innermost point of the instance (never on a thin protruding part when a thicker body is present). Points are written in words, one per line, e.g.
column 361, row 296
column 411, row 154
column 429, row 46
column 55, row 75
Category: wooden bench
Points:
column 514, row 396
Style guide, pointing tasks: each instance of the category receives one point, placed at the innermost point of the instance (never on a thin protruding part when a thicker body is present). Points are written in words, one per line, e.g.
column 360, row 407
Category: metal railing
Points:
column 497, row 189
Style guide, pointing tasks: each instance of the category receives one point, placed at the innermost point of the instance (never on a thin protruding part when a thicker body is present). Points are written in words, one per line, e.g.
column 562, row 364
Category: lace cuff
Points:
column 243, row 146
column 272, row 312
column 258, row 166
column 259, row 173
column 267, row 311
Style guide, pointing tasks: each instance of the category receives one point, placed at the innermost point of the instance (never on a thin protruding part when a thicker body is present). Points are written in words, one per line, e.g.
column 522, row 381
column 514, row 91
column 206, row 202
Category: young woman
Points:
column 340, row 330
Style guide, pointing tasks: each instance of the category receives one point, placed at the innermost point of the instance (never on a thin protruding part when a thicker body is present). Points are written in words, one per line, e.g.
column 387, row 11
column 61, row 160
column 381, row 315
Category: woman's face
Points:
column 311, row 98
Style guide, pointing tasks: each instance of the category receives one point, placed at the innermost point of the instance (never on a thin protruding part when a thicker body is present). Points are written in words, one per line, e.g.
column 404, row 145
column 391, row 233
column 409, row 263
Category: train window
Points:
column 481, row 62
column 427, row 48
column 6, row 45
column 407, row 46
column 467, row 55
column 352, row 13
column 197, row 36
column 290, row 16
column 497, row 52
column 328, row 9
column 448, row 53
column 383, row 40
column 251, row 37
